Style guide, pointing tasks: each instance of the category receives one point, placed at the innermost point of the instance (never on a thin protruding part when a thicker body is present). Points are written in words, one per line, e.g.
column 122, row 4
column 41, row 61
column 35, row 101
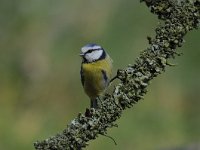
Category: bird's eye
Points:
column 89, row 51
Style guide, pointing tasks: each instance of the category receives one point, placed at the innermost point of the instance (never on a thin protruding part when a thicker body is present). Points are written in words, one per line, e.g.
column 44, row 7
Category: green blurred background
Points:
column 40, row 89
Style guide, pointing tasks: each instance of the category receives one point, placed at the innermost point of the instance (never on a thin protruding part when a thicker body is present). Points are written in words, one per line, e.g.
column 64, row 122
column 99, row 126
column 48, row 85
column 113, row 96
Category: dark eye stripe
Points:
column 91, row 50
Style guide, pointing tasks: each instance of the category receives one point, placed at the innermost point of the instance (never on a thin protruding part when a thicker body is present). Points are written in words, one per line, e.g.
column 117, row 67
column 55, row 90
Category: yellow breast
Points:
column 94, row 76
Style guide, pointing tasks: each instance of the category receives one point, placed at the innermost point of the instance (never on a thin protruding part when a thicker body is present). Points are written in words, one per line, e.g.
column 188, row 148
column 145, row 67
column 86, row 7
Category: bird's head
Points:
column 92, row 52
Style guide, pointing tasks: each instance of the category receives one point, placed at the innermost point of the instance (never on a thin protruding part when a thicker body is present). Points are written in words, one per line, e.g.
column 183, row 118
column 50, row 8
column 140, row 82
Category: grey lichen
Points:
column 178, row 17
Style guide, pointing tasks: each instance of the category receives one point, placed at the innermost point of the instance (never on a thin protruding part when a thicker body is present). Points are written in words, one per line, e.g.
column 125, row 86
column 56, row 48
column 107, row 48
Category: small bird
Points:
column 96, row 70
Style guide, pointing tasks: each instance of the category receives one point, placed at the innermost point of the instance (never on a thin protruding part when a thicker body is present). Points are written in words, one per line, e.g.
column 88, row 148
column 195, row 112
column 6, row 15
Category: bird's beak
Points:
column 81, row 54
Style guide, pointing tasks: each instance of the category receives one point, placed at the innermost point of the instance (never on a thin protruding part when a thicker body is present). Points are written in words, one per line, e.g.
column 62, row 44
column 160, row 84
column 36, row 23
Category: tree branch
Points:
column 178, row 17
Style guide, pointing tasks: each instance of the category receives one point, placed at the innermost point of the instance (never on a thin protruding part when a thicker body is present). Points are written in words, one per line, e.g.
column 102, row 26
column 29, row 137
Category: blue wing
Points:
column 105, row 77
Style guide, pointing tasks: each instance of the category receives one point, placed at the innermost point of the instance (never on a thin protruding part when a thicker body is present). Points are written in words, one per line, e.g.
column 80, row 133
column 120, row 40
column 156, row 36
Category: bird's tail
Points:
column 93, row 103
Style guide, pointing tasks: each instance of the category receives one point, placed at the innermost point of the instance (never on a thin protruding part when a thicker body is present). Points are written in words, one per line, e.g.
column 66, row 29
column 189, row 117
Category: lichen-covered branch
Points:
column 178, row 17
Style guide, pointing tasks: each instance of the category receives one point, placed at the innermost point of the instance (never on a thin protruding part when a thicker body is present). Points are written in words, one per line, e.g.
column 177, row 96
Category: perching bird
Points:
column 96, row 70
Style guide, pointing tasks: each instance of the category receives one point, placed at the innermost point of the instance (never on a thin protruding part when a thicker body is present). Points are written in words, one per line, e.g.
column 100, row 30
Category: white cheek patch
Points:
column 95, row 55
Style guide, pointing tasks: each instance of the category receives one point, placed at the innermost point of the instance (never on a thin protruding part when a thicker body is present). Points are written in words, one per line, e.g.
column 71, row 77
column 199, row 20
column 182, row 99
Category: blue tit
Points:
column 96, row 70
